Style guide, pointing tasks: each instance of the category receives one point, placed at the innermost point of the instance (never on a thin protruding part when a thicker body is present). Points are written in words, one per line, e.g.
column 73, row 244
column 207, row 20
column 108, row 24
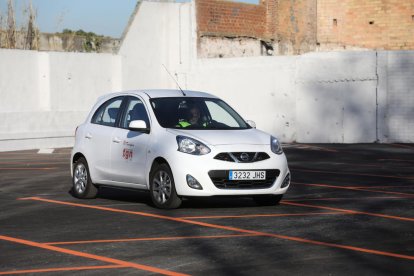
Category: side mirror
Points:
column 139, row 125
column 251, row 123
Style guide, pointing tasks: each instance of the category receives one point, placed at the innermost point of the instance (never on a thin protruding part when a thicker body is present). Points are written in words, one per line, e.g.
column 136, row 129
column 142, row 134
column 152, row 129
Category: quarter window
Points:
column 108, row 112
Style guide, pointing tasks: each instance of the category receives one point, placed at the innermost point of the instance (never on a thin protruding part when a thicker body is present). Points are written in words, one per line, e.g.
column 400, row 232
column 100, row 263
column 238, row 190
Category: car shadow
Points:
column 143, row 197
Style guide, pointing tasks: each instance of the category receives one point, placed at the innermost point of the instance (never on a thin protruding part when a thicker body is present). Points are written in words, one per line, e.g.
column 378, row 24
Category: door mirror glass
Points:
column 138, row 125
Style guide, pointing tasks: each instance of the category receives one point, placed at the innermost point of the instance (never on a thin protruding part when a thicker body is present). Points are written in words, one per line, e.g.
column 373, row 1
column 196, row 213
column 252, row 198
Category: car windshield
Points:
column 196, row 113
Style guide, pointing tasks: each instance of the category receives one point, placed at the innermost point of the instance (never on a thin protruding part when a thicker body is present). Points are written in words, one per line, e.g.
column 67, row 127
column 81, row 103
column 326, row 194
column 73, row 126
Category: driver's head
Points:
column 194, row 114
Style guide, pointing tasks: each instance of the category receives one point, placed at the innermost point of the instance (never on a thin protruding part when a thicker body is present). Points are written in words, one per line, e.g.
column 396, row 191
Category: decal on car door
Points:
column 128, row 152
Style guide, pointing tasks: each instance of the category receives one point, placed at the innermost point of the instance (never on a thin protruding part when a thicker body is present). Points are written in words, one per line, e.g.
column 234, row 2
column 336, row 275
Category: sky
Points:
column 105, row 17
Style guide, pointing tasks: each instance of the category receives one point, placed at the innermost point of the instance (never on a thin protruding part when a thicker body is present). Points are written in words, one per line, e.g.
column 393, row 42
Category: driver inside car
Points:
column 194, row 119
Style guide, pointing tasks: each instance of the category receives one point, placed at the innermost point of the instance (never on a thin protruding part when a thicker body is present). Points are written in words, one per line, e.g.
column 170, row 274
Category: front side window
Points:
column 108, row 112
column 196, row 113
column 135, row 111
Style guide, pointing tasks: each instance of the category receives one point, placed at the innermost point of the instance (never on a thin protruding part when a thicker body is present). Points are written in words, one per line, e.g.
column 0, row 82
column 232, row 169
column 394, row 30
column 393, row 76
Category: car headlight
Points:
column 191, row 146
column 275, row 145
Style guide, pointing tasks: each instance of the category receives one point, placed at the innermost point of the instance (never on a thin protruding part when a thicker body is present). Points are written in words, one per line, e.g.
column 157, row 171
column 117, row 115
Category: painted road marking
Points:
column 350, row 173
column 151, row 239
column 347, row 211
column 61, row 269
column 229, row 228
column 356, row 189
column 266, row 215
column 90, row 256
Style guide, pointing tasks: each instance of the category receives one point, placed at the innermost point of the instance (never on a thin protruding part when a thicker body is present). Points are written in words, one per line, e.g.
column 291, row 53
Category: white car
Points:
column 176, row 144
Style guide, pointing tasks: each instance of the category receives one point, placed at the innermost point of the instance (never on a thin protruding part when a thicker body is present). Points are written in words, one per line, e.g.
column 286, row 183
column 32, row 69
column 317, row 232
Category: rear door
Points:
column 129, row 148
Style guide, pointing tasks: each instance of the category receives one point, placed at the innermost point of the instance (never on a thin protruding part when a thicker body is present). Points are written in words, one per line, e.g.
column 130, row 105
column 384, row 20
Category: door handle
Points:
column 116, row 140
column 88, row 136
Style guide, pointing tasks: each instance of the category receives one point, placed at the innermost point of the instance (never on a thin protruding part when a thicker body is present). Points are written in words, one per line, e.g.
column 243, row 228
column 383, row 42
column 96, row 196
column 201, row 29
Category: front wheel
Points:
column 162, row 188
column 81, row 180
column 268, row 200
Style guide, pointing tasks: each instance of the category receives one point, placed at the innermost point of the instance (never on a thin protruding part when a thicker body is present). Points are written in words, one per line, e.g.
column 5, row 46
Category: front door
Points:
column 129, row 148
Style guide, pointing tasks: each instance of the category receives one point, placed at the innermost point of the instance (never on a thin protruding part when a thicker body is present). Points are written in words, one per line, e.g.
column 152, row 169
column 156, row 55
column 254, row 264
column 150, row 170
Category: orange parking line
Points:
column 265, row 215
column 381, row 187
column 347, row 211
column 348, row 173
column 150, row 239
column 90, row 256
column 60, row 269
column 216, row 226
column 356, row 189
column 409, row 195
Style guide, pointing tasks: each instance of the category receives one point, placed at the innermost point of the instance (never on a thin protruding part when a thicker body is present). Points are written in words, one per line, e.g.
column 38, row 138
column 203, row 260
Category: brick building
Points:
column 278, row 27
column 372, row 24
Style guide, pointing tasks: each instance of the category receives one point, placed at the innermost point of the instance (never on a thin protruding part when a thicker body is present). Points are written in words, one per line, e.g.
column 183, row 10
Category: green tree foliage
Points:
column 92, row 42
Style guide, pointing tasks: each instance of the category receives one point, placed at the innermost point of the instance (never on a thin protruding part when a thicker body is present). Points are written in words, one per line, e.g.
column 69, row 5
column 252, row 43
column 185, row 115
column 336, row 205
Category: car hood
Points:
column 226, row 137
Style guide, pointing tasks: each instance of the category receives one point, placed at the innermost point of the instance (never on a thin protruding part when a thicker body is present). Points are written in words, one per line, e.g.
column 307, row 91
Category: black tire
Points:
column 268, row 200
column 81, row 180
column 162, row 188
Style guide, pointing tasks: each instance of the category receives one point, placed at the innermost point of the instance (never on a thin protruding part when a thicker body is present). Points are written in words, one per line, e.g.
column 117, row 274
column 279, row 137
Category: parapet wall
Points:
column 301, row 26
column 371, row 24
column 225, row 18
column 45, row 95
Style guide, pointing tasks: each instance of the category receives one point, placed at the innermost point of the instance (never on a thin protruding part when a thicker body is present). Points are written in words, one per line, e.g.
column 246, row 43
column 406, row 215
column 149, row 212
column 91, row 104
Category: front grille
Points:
column 221, row 180
column 242, row 157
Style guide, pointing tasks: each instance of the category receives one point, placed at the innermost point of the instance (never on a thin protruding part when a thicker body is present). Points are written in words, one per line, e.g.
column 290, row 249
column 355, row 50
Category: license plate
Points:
column 247, row 175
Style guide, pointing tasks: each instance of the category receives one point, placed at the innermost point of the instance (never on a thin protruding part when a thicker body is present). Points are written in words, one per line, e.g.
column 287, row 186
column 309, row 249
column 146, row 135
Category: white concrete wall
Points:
column 160, row 34
column 320, row 97
column 396, row 88
column 261, row 89
column 336, row 97
column 332, row 97
column 45, row 95
column 20, row 80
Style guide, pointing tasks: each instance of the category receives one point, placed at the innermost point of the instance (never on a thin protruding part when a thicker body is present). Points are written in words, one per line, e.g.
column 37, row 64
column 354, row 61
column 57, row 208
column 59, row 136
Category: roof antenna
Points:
column 174, row 79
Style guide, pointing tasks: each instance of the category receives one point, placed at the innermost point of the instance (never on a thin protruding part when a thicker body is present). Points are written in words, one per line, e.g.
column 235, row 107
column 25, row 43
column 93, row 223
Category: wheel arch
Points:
column 77, row 156
column 156, row 162
column 174, row 200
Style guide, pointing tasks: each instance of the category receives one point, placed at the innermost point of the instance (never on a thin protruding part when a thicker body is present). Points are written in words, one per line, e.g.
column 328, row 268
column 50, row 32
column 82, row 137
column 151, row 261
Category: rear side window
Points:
column 108, row 112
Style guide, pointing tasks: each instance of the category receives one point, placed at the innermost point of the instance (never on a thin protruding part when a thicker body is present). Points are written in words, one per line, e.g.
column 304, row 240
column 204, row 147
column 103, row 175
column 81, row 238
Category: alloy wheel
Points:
column 162, row 187
column 80, row 178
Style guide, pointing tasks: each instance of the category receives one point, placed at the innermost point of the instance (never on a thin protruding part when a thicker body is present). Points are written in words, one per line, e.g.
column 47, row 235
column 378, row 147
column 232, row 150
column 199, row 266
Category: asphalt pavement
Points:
column 349, row 211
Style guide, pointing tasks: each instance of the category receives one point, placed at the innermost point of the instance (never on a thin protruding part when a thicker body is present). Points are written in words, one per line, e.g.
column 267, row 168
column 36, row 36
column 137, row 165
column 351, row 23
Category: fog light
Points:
column 286, row 181
column 193, row 183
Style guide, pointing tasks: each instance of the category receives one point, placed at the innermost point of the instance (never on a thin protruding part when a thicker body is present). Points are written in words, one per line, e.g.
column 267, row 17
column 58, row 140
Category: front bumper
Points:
column 206, row 169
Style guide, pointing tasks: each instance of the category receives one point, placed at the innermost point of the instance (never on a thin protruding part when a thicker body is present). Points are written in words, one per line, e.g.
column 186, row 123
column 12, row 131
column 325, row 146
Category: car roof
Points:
column 161, row 93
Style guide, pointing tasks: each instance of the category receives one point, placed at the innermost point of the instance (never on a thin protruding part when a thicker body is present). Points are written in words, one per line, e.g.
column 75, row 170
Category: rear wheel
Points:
column 268, row 200
column 162, row 188
column 81, row 180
